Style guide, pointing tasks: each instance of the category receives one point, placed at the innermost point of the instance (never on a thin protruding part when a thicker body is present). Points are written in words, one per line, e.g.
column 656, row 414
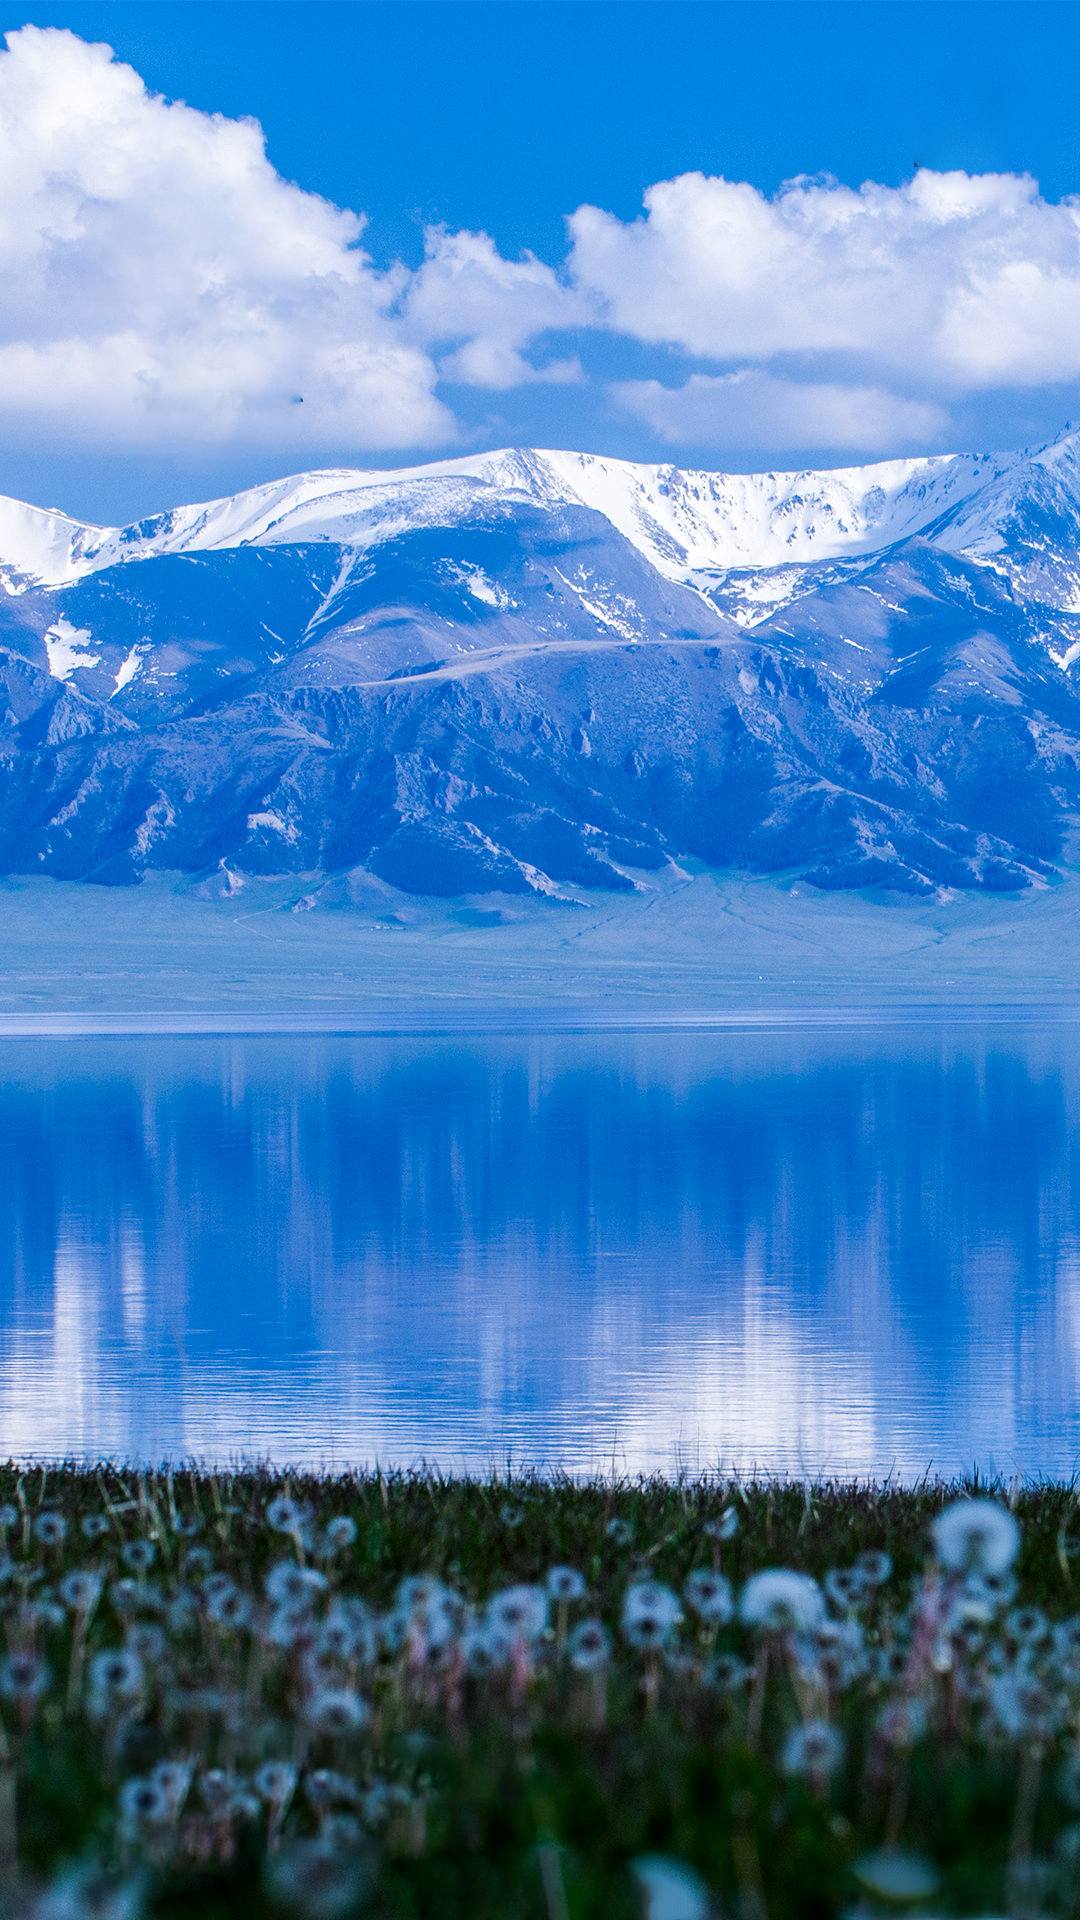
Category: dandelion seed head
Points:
column 670, row 1890
column 812, row 1751
column 275, row 1782
column 85, row 1893
column 520, row 1612
column 650, row 1614
column 976, row 1536
column 897, row 1877
column 336, row 1712
column 143, row 1803
column 24, row 1677
column 117, row 1676
column 588, row 1646
column 565, row 1584
column 81, row 1589
column 875, row 1566
column 138, row 1556
column 317, row 1879
column 779, row 1600
column 286, row 1515
column 340, row 1533
column 708, row 1595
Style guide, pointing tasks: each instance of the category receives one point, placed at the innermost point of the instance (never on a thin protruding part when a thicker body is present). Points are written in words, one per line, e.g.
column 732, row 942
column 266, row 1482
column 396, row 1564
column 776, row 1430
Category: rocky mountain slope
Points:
column 548, row 672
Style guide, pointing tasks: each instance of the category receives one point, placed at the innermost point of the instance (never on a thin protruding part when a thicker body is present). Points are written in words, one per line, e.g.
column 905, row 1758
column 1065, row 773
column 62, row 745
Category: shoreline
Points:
column 702, row 951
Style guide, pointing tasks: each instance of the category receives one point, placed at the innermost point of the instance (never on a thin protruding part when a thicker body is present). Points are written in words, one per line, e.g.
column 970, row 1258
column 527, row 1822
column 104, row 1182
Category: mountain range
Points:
column 550, row 672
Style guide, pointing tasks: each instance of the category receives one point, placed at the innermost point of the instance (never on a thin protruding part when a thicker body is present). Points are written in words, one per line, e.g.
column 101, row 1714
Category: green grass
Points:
column 491, row 1775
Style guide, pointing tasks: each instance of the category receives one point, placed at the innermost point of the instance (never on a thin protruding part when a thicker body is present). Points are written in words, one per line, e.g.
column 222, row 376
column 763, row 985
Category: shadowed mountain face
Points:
column 548, row 673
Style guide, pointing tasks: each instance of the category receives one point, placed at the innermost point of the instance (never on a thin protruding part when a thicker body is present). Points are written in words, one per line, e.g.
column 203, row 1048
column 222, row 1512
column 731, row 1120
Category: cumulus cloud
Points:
column 951, row 281
column 752, row 408
column 489, row 309
column 161, row 284
column 158, row 278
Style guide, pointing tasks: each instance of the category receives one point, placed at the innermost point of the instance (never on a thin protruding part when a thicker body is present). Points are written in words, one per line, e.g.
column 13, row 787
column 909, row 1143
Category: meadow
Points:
column 405, row 1696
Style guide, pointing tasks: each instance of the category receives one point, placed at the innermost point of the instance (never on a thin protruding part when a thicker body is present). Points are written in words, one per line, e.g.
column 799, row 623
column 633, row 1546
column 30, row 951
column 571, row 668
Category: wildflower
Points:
column 23, row 1677
column 902, row 1722
column 50, row 1528
column 87, row 1894
column 708, row 1595
column 565, row 1585
column 198, row 1563
column 133, row 1596
column 287, row 1627
column 229, row 1608
column 727, row 1674
column 421, row 1593
column 286, row 1515
column 147, row 1640
column 619, row 1532
column 725, row 1528
column 670, row 1890
column 976, row 1536
column 138, row 1556
column 317, row 1879
column 1027, row 1627
column 382, row 1800
column 116, row 1678
column 812, row 1751
column 186, row 1529
column 324, row 1788
column 650, row 1614
column 339, row 1533
column 845, row 1587
column 173, row 1779
column 511, row 1514
column 336, row 1712
column 1022, row 1707
column 897, row 1878
column 520, row 1612
column 485, row 1651
column 275, row 1783
column 94, row 1526
column 588, row 1648
column 347, row 1633
column 243, row 1808
column 875, row 1566
column 217, row 1787
column 81, row 1590
column 781, row 1601
column 143, row 1803
column 886, row 1664
column 288, row 1585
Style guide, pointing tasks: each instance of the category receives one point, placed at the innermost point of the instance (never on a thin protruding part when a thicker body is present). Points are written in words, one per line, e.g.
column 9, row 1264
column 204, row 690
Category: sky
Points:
column 261, row 236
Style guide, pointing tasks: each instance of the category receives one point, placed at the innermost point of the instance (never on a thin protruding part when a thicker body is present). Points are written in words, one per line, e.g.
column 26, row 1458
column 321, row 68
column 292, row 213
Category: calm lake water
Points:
column 819, row 1249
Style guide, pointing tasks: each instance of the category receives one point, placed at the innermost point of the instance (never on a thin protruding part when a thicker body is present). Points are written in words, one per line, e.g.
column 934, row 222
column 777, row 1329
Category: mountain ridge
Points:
column 715, row 520
column 544, row 672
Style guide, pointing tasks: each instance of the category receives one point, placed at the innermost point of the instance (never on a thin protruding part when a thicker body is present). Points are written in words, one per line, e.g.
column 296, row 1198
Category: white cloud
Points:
column 752, row 408
column 467, row 295
column 162, row 285
column 159, row 279
column 951, row 281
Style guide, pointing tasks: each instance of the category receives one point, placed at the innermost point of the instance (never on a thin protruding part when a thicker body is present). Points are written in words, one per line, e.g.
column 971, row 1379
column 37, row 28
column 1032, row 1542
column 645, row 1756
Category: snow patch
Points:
column 67, row 649
column 275, row 823
column 127, row 670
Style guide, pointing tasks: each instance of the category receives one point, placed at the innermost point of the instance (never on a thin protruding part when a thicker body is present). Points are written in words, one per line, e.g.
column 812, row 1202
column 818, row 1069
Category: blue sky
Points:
column 171, row 336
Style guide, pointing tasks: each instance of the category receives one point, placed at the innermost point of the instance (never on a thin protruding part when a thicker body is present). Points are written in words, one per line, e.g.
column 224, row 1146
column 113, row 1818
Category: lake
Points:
column 850, row 1249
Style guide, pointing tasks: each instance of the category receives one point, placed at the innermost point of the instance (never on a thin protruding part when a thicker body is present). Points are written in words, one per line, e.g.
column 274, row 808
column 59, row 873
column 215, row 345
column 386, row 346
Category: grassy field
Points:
column 241, row 1695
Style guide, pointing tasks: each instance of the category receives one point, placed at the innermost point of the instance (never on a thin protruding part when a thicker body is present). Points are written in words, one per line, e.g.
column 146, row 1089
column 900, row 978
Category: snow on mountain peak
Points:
column 693, row 526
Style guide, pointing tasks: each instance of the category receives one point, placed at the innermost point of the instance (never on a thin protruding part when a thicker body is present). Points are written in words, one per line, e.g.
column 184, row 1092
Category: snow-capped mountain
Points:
column 553, row 671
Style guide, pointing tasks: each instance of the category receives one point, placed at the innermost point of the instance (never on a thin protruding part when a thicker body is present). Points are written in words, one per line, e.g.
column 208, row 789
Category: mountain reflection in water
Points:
column 822, row 1250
